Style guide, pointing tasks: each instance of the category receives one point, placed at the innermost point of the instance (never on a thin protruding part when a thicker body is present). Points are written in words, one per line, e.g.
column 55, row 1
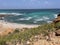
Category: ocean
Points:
column 30, row 16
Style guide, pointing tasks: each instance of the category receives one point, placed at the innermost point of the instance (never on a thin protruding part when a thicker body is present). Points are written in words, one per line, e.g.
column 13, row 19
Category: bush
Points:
column 57, row 25
column 28, row 33
column 16, row 30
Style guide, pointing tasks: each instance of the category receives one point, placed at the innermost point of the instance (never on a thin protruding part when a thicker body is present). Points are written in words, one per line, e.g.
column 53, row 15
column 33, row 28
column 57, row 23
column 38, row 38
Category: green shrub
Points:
column 16, row 30
column 27, row 34
column 57, row 25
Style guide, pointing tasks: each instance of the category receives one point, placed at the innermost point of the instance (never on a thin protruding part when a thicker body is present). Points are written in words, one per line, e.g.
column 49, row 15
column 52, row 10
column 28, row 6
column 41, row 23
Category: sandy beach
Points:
column 16, row 25
column 6, row 27
column 4, row 24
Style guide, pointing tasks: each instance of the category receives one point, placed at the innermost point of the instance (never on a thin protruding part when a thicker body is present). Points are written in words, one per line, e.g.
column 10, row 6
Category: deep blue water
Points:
column 30, row 16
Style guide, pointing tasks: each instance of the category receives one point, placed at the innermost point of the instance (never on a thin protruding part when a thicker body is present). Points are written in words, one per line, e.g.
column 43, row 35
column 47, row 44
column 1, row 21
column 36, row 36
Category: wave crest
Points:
column 28, row 18
column 11, row 14
column 55, row 15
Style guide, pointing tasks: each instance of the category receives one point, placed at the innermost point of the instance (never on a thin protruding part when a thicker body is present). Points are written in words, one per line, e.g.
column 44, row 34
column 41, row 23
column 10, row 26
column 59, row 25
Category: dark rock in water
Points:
column 58, row 14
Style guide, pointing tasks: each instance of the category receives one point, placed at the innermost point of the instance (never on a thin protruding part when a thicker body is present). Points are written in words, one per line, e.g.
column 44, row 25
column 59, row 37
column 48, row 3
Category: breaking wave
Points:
column 55, row 15
column 11, row 14
column 44, row 18
column 28, row 18
column 49, row 21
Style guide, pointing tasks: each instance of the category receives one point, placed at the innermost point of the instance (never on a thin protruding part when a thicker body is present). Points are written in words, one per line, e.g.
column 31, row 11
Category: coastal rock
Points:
column 57, row 19
column 57, row 25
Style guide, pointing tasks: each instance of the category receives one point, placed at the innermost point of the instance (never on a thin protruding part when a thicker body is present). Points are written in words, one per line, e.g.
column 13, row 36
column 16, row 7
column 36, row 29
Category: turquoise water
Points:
column 30, row 16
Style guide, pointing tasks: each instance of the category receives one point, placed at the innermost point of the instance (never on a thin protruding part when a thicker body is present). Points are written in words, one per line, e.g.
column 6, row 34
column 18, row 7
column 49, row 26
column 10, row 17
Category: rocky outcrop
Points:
column 57, row 19
column 57, row 25
column 58, row 32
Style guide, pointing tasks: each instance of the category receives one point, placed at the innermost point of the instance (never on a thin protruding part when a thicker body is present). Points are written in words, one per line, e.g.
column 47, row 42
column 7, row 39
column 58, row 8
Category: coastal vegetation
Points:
column 57, row 25
column 27, row 34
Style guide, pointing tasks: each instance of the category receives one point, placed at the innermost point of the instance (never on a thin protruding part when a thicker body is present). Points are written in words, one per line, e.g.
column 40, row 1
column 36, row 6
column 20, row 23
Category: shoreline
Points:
column 17, row 25
column 7, row 27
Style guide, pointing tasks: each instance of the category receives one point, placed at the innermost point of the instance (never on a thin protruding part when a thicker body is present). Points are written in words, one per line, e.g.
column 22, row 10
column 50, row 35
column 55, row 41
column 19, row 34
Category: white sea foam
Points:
column 49, row 21
column 55, row 15
column 28, row 18
column 42, row 19
column 16, row 14
column 11, row 14
column 45, row 18
column 35, row 22
column 39, row 19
